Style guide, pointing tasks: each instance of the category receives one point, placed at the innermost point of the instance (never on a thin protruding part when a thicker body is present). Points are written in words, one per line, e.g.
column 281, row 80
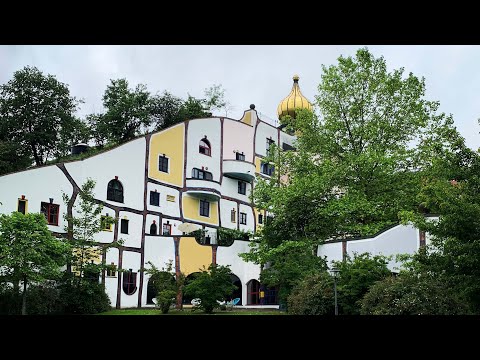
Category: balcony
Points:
column 203, row 189
column 238, row 169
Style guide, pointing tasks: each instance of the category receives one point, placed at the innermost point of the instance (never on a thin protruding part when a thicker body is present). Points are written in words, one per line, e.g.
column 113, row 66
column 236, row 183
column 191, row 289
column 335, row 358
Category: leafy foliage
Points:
column 29, row 252
column 210, row 285
column 314, row 295
column 87, row 297
column 355, row 278
column 413, row 295
column 165, row 285
column 36, row 112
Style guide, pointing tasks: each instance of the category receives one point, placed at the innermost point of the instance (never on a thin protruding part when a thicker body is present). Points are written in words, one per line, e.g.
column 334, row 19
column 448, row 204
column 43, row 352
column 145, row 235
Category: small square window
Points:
column 111, row 270
column 243, row 218
column 167, row 229
column 22, row 206
column 260, row 218
column 154, row 198
column 163, row 164
column 51, row 212
column 106, row 223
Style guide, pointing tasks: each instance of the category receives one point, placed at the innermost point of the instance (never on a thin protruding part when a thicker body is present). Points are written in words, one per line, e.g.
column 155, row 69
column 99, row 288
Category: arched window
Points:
column 129, row 282
column 204, row 147
column 253, row 292
column 115, row 191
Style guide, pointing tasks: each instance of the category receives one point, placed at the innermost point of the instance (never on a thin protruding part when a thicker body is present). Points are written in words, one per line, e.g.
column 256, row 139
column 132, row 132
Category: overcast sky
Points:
column 261, row 75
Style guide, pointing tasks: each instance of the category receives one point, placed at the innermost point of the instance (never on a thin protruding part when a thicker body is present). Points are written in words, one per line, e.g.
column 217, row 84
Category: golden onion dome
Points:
column 294, row 100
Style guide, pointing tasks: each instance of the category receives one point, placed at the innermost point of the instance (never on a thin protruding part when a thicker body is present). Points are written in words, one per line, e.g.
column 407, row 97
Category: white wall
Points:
column 131, row 260
column 111, row 283
column 250, row 218
column 226, row 207
column 174, row 224
column 159, row 251
column 401, row 239
column 126, row 161
column 230, row 188
column 244, row 270
column 166, row 207
column 286, row 138
column 264, row 131
column 134, row 236
column 197, row 129
column 38, row 185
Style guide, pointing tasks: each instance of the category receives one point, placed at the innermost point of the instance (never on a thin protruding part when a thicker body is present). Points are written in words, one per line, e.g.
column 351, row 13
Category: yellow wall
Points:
column 256, row 212
column 258, row 162
column 193, row 256
column 191, row 210
column 247, row 119
column 171, row 143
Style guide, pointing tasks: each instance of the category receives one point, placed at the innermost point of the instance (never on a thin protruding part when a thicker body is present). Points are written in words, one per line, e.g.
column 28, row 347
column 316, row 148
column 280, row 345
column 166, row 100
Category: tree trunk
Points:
column 24, row 297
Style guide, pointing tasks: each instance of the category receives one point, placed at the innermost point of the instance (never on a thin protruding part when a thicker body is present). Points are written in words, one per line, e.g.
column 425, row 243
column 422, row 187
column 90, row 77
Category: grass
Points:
column 143, row 311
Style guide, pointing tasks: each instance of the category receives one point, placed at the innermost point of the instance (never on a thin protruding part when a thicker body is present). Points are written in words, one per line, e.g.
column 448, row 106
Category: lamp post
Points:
column 335, row 272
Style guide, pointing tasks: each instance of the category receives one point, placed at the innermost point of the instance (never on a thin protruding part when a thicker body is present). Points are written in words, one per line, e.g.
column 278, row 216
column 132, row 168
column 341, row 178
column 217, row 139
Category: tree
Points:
column 29, row 252
column 13, row 157
column 36, row 112
column 166, row 110
column 127, row 111
column 211, row 285
column 356, row 277
column 409, row 294
column 81, row 229
column 215, row 99
column 359, row 163
column 165, row 285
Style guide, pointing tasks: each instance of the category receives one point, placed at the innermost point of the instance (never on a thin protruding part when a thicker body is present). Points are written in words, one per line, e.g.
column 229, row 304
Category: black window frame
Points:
column 267, row 168
column 115, row 193
column 233, row 216
column 48, row 210
column 154, row 198
column 201, row 174
column 240, row 156
column 269, row 142
column 129, row 281
column 111, row 270
column 260, row 218
column 163, row 163
column 153, row 226
column 243, row 218
column 204, row 208
column 167, row 226
column 124, row 226
column 24, row 202
column 205, row 149
column 242, row 187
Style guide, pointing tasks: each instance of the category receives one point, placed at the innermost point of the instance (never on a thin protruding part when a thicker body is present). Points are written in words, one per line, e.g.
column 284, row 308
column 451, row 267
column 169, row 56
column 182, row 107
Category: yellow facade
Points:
column 171, row 143
column 256, row 212
column 247, row 118
column 191, row 210
column 193, row 256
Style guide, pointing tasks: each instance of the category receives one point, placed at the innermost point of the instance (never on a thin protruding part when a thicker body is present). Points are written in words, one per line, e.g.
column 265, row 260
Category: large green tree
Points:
column 36, row 112
column 359, row 159
column 28, row 251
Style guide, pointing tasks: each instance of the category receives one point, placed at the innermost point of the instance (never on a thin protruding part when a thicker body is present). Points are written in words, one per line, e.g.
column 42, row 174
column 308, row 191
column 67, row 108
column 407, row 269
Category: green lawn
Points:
column 136, row 311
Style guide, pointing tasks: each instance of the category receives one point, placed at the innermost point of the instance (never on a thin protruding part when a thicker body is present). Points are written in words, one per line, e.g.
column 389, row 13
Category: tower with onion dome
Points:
column 294, row 101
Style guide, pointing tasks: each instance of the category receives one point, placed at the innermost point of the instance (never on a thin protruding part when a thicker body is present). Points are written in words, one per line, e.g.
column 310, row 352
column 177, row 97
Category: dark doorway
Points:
column 253, row 292
column 237, row 293
column 161, row 280
column 186, row 300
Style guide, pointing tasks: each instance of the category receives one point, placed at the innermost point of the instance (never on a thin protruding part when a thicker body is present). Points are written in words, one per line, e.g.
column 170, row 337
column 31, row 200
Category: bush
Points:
column 413, row 295
column 165, row 299
column 84, row 298
column 313, row 296
column 43, row 299
column 10, row 302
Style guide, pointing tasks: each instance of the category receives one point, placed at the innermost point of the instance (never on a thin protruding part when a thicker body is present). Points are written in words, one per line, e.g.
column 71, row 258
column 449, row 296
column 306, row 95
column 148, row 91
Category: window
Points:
column 163, row 163
column 253, row 290
column 51, row 212
column 240, row 157
column 243, row 218
column 153, row 228
column 269, row 143
column 111, row 269
column 115, row 191
column 201, row 174
column 204, row 147
column 242, row 187
column 287, row 147
column 124, row 226
column 129, row 282
column 167, row 229
column 154, row 198
column 22, row 206
column 171, row 198
column 267, row 169
column 204, row 208
column 106, row 222
column 260, row 218
column 233, row 215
